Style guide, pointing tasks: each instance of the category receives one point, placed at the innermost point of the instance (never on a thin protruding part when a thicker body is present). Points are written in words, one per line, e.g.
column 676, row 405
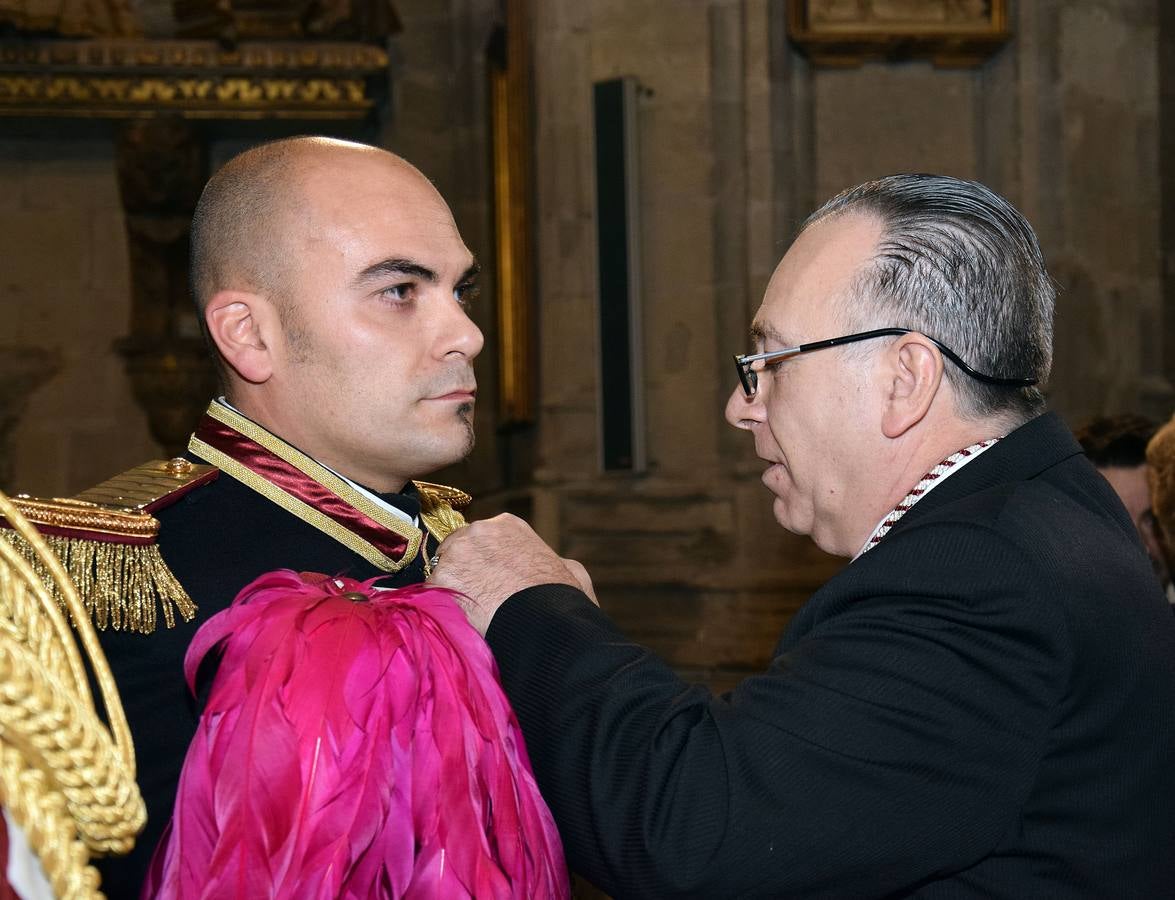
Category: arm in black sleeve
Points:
column 893, row 743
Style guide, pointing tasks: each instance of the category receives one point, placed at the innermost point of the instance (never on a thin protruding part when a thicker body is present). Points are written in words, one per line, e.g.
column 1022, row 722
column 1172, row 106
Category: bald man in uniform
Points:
column 332, row 284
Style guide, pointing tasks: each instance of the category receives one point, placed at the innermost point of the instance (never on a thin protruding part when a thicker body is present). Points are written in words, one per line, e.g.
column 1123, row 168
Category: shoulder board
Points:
column 151, row 486
column 106, row 538
column 452, row 496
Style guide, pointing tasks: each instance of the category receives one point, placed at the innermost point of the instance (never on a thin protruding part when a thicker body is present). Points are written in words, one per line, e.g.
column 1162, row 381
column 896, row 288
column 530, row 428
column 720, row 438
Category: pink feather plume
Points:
column 354, row 750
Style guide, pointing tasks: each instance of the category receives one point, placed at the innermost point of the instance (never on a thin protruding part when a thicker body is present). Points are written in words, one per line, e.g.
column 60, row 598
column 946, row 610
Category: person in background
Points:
column 1160, row 457
column 1116, row 445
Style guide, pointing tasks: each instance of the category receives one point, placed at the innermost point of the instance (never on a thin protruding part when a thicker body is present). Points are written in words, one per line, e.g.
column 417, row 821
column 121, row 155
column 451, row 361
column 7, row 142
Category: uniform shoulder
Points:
column 107, row 537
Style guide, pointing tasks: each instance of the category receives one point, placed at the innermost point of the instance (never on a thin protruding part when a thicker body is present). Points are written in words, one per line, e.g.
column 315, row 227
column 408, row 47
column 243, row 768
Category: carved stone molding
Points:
column 172, row 380
column 21, row 370
column 162, row 166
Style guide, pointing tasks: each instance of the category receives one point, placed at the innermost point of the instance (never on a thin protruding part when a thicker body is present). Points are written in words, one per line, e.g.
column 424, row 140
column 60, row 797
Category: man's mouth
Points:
column 459, row 395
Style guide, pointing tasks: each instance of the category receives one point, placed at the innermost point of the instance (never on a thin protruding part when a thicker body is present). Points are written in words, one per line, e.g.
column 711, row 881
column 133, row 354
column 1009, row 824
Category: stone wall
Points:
column 64, row 288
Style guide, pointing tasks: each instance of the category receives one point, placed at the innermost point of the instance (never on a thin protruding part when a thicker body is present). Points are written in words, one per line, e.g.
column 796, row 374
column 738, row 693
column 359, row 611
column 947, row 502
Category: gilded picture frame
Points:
column 850, row 32
column 509, row 101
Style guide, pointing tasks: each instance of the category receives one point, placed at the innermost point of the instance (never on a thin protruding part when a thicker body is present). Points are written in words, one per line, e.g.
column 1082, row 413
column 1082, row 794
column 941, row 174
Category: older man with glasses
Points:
column 982, row 704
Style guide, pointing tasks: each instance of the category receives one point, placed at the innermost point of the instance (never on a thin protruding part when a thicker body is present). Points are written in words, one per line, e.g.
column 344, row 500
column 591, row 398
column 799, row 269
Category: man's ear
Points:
column 241, row 324
column 913, row 380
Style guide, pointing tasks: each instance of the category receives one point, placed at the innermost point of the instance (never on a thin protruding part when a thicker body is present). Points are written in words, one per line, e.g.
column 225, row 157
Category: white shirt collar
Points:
column 974, row 453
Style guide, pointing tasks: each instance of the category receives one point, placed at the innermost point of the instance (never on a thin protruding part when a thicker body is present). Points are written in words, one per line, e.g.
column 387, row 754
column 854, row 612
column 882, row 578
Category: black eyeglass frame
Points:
column 749, row 378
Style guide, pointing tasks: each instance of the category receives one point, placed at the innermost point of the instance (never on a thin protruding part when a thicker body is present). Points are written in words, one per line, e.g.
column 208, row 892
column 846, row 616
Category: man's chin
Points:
column 786, row 516
column 455, row 450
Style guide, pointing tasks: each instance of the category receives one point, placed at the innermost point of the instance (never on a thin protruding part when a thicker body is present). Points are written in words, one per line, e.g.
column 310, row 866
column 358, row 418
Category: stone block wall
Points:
column 64, row 288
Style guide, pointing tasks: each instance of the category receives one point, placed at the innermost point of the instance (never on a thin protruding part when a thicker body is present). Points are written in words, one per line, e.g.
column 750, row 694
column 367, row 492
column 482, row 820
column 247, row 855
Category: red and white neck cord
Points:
column 932, row 478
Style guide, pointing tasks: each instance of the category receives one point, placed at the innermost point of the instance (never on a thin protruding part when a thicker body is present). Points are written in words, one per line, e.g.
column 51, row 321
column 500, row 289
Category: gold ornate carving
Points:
column 193, row 79
column 256, row 58
column 849, row 32
column 99, row 96
column 89, row 19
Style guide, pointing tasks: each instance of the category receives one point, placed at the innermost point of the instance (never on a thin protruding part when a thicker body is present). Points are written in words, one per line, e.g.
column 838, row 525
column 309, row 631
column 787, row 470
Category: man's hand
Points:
column 492, row 559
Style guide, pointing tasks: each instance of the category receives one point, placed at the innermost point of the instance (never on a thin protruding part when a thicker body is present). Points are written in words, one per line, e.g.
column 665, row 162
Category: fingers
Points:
column 492, row 559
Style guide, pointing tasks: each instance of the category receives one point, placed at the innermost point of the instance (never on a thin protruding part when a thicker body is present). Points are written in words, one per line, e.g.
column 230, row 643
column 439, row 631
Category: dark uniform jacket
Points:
column 981, row 706
column 216, row 540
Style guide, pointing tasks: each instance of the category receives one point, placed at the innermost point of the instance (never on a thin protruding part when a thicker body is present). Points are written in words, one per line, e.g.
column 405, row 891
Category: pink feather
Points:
column 353, row 750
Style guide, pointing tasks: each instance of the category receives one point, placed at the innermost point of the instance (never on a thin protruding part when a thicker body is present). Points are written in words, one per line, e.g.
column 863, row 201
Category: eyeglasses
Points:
column 749, row 377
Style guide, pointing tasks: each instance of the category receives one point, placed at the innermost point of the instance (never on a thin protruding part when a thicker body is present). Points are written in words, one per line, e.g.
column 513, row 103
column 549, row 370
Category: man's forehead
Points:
column 375, row 227
column 818, row 269
column 832, row 248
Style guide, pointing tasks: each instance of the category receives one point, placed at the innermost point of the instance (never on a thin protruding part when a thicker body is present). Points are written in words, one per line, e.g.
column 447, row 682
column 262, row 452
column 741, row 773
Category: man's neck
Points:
column 374, row 485
column 907, row 460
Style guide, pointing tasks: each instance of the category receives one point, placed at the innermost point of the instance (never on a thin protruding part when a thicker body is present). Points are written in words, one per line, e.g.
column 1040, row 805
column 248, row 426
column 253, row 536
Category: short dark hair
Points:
column 1117, row 441
column 958, row 263
column 232, row 228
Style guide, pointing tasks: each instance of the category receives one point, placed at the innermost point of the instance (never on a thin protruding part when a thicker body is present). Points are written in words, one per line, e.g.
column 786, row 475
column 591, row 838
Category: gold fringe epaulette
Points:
column 106, row 538
column 439, row 505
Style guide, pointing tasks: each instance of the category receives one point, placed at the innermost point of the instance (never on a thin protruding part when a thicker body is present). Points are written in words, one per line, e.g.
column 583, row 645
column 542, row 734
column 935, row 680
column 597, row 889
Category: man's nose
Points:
column 743, row 411
column 459, row 333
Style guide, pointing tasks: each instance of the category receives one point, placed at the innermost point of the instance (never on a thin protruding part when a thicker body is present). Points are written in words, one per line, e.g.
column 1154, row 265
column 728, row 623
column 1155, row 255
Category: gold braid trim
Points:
column 309, row 514
column 66, row 777
column 316, row 472
column 42, row 816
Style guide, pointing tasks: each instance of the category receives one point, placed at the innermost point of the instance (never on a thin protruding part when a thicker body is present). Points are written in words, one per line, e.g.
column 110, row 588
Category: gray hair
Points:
column 957, row 263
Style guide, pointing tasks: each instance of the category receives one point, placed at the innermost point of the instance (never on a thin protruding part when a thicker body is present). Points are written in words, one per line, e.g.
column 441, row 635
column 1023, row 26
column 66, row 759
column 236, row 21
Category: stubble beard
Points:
column 465, row 416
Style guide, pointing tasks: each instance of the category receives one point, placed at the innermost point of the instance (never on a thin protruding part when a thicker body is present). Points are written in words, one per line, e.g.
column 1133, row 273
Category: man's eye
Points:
column 466, row 293
column 761, row 365
column 398, row 293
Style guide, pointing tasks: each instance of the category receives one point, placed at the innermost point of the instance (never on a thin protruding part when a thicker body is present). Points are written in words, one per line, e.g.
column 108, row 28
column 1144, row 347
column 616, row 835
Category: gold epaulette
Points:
column 107, row 538
column 439, row 505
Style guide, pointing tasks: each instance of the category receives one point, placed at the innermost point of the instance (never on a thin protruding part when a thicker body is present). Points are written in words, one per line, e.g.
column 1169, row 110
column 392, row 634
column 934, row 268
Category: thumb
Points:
column 581, row 575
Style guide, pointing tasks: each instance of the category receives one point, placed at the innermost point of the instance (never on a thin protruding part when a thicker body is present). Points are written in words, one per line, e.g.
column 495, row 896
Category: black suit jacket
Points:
column 216, row 539
column 981, row 706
